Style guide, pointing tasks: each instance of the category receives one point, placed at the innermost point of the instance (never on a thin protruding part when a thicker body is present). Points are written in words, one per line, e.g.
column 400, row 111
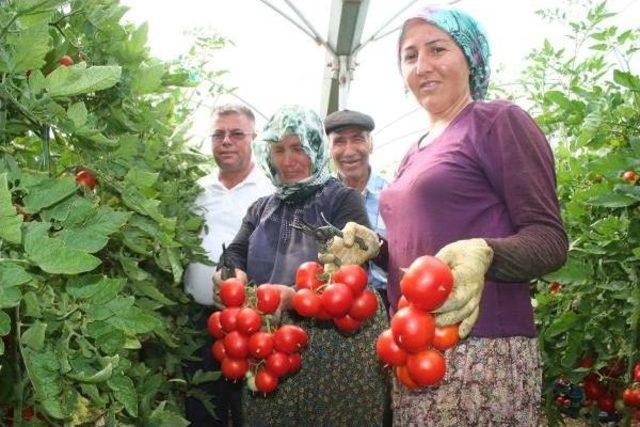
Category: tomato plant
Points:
column 90, row 285
column 586, row 100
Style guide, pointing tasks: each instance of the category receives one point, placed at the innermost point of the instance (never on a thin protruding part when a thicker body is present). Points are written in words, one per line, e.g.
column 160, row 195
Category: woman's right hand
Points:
column 217, row 279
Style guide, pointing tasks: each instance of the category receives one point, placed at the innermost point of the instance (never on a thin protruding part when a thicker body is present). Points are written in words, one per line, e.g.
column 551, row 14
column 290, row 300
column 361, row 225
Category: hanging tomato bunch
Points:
column 247, row 345
column 413, row 344
column 345, row 299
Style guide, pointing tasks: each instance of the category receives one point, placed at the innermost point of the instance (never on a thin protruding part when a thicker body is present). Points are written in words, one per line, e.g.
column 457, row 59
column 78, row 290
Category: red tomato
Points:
column 214, row 326
column 607, row 403
column 236, row 345
column 364, row 306
column 636, row 372
column 278, row 364
column 266, row 381
column 413, row 329
column 631, row 397
column 388, row 351
column 260, row 345
column 218, row 350
column 307, row 275
column 347, row 324
column 337, row 299
column 586, row 362
column 630, row 176
column 232, row 292
column 285, row 339
column 427, row 283
column 402, row 302
column 446, row 337
column 427, row 367
column 306, row 303
column 248, row 321
column 354, row 276
column 84, row 177
column 301, row 336
column 295, row 363
column 66, row 61
column 593, row 389
column 555, row 288
column 403, row 375
column 228, row 318
column 614, row 369
column 322, row 313
column 234, row 369
column 268, row 299
column 563, row 401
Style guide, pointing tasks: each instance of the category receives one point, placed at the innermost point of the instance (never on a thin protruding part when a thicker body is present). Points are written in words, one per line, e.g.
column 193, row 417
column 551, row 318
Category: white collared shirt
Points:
column 223, row 210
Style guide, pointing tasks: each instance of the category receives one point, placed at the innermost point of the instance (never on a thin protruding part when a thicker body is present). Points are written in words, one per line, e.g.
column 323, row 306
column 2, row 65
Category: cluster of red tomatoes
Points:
column 413, row 344
column 247, row 347
column 604, row 389
column 345, row 300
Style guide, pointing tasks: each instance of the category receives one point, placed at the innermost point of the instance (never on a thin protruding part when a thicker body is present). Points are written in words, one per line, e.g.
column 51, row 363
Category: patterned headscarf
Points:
column 307, row 125
column 469, row 36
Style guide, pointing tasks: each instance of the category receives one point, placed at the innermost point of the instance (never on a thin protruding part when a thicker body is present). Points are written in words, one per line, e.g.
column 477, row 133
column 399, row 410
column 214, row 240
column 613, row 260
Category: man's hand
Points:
column 345, row 250
column 469, row 261
column 217, row 279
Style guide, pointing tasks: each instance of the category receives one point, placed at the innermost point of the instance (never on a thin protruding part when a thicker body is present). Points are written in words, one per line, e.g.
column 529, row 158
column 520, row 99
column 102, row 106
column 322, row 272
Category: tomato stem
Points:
column 45, row 152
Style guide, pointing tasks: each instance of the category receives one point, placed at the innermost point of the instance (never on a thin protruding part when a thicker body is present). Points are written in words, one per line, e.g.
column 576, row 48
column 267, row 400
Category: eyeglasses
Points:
column 234, row 136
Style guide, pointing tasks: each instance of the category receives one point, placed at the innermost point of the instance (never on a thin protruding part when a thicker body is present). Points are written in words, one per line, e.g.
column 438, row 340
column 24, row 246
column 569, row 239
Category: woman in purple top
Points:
column 478, row 191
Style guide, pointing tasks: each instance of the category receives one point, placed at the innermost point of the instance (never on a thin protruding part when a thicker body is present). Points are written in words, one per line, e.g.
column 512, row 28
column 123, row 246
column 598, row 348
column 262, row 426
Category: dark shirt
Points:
column 269, row 250
column 490, row 175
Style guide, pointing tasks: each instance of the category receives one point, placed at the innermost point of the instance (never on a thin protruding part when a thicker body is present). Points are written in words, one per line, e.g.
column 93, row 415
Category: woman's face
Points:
column 290, row 160
column 434, row 68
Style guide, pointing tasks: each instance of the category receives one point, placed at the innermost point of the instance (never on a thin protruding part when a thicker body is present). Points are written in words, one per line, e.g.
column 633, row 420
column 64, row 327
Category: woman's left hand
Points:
column 346, row 250
column 469, row 261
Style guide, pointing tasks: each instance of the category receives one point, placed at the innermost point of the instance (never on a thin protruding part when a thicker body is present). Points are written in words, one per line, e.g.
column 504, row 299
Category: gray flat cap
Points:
column 347, row 118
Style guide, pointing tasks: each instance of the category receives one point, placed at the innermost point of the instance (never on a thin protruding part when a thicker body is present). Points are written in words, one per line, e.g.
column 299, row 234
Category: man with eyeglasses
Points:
column 228, row 193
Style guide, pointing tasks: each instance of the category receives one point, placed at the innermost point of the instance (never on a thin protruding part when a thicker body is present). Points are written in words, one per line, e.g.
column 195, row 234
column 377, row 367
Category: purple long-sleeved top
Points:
column 491, row 175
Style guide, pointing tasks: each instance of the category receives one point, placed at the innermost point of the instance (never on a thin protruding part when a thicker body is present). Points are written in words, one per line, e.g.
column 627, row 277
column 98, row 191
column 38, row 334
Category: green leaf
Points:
column 5, row 323
column 561, row 324
column 201, row 377
column 134, row 320
column 574, row 271
column 92, row 376
column 77, row 113
column 141, row 179
column 94, row 288
column 611, row 200
column 37, row 82
column 31, row 305
column 88, row 228
column 77, row 79
column 151, row 290
column 11, row 277
column 34, row 336
column 559, row 98
column 54, row 255
column 43, row 370
column 29, row 47
column 163, row 418
column 48, row 192
column 124, row 391
column 148, row 79
column 10, row 221
column 626, row 79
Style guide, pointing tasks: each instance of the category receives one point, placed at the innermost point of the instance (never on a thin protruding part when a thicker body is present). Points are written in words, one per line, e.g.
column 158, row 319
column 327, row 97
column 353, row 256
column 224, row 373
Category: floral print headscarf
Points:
column 469, row 36
column 307, row 125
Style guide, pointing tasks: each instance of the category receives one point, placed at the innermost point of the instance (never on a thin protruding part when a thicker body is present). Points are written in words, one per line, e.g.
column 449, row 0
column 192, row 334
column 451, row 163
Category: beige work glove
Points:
column 346, row 251
column 217, row 279
column 469, row 261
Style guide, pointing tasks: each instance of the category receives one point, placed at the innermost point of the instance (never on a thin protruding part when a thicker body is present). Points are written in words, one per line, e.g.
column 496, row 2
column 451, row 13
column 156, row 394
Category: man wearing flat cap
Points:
column 350, row 145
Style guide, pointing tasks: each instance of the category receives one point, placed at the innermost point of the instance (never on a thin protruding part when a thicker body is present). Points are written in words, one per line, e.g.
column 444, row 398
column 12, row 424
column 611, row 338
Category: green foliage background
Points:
column 92, row 312
column 586, row 97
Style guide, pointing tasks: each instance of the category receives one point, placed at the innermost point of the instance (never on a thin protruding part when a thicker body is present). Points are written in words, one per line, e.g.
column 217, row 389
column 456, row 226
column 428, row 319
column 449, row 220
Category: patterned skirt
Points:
column 341, row 382
column 489, row 382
